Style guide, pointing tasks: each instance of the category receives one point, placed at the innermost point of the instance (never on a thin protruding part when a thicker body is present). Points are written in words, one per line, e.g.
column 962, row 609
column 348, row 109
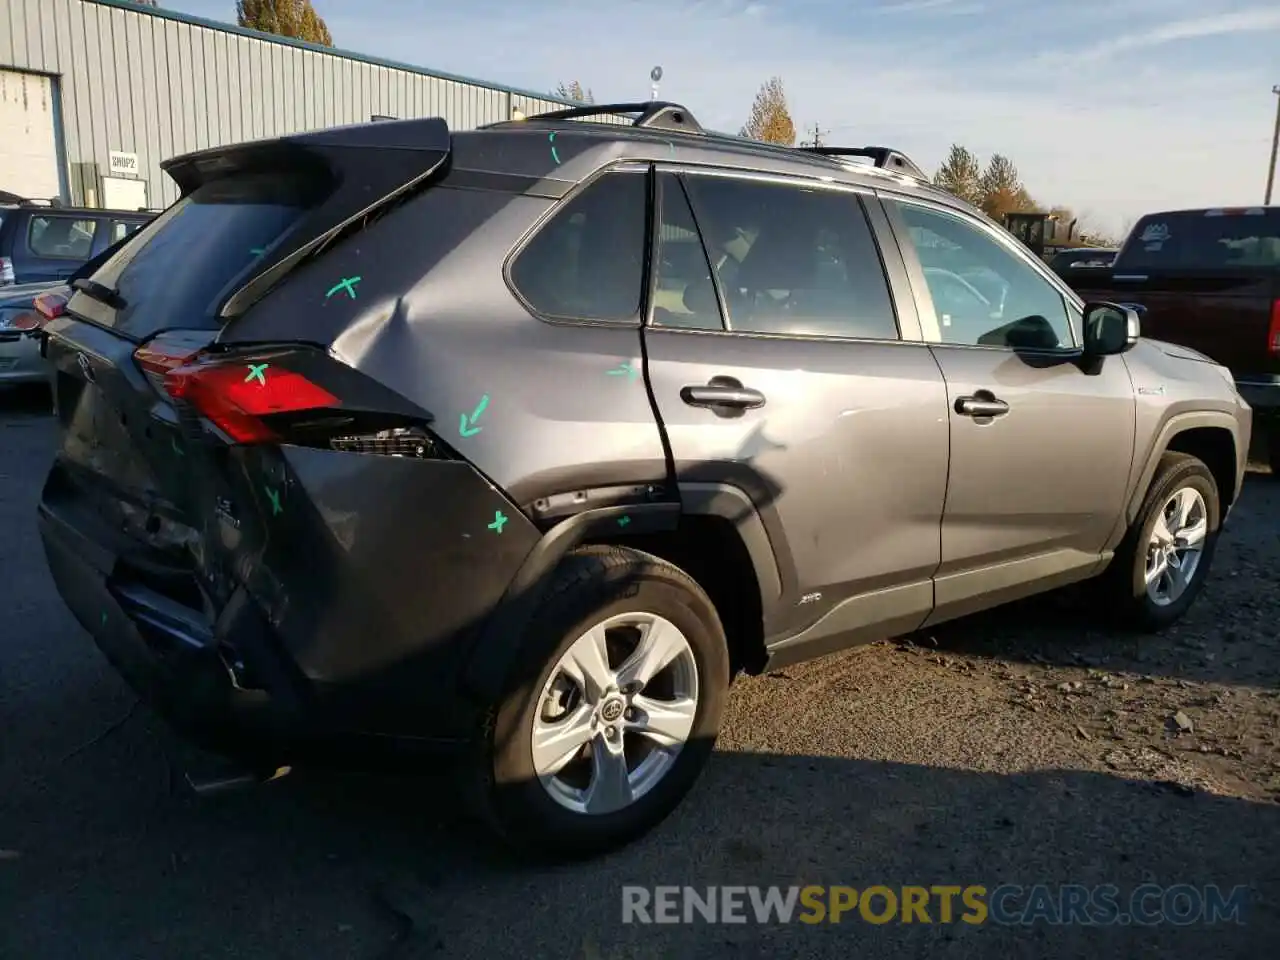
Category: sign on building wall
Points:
column 122, row 164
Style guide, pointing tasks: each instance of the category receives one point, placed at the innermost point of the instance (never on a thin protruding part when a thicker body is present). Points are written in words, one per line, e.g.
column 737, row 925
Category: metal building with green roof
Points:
column 95, row 93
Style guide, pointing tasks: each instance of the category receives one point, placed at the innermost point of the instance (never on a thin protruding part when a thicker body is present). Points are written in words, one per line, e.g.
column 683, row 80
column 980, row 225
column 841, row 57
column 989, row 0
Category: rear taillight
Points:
column 1273, row 332
column 7, row 275
column 50, row 305
column 235, row 396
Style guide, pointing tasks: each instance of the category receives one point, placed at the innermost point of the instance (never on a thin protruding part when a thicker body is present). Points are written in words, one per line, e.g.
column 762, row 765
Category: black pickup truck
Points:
column 1208, row 280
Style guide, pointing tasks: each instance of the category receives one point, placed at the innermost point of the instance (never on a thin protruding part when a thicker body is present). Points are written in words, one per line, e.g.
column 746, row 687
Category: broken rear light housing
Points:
column 267, row 398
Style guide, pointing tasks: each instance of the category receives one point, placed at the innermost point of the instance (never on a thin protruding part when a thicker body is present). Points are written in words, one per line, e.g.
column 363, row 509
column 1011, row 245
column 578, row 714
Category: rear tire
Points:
column 1158, row 571
column 568, row 797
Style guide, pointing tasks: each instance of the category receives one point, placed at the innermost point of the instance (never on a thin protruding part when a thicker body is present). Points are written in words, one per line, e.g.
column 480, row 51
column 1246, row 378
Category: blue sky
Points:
column 1113, row 107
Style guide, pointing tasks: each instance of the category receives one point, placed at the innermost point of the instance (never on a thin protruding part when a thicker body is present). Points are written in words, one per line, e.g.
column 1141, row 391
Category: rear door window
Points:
column 587, row 261
column 793, row 260
column 179, row 271
column 61, row 238
column 1204, row 239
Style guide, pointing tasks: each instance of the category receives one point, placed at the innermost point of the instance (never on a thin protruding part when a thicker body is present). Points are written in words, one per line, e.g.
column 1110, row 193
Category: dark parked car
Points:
column 1209, row 280
column 1079, row 261
column 523, row 440
column 47, row 244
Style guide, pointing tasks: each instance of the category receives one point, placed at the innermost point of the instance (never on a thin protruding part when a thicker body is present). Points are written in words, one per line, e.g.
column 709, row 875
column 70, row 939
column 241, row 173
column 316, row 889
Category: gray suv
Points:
column 523, row 441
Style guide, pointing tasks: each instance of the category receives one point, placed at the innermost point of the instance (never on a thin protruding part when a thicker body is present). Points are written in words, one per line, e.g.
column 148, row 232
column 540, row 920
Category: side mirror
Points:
column 1110, row 328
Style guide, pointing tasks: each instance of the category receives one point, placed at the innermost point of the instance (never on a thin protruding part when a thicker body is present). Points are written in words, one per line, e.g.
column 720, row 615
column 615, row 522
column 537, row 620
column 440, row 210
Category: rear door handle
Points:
column 723, row 392
column 983, row 405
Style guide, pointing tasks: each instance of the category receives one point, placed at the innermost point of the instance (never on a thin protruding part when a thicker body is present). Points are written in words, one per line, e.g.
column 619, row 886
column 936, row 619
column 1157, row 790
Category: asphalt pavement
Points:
column 898, row 764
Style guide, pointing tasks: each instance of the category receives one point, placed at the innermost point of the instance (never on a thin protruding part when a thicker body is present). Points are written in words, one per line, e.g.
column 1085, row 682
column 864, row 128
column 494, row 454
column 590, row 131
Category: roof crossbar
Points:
column 652, row 115
column 884, row 157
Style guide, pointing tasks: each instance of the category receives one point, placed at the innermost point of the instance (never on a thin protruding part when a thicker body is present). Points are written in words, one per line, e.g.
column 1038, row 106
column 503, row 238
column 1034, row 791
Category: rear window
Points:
column 1209, row 240
column 181, row 267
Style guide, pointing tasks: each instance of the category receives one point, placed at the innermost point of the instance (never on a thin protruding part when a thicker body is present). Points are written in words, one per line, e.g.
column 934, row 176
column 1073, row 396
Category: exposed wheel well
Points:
column 1214, row 447
column 710, row 550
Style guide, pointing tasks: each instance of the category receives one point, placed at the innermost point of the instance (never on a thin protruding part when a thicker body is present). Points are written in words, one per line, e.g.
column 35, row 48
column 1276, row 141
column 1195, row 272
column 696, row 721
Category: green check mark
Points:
column 467, row 425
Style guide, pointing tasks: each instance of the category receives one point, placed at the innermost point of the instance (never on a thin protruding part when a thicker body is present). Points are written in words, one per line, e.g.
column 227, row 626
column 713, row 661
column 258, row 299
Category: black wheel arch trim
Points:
column 1175, row 425
column 488, row 664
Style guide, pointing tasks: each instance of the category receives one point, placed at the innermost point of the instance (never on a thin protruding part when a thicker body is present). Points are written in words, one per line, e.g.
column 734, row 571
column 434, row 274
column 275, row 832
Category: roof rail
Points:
column 885, row 157
column 652, row 115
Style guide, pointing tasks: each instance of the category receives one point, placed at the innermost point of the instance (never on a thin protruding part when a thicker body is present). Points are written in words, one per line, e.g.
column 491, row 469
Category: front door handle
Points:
column 722, row 394
column 983, row 405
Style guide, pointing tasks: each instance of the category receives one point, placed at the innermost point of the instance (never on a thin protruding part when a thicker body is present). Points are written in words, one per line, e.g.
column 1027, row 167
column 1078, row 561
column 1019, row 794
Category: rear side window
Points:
column 1207, row 240
column 63, row 238
column 183, row 266
column 793, row 260
column 587, row 261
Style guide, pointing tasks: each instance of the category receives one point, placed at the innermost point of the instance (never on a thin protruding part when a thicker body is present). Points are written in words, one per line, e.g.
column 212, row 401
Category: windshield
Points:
column 1204, row 239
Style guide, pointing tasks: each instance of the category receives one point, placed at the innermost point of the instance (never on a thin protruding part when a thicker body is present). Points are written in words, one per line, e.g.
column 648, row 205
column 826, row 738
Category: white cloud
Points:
column 936, row 7
column 1262, row 19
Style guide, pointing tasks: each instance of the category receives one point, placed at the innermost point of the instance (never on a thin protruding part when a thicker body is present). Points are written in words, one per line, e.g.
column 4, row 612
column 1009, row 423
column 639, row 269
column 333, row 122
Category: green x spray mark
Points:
column 467, row 425
column 257, row 371
column 346, row 283
column 274, row 496
column 623, row 521
column 499, row 521
column 624, row 370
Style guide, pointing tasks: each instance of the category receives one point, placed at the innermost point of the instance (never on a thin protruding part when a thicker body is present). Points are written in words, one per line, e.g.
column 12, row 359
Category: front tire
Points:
column 612, row 708
column 1164, row 559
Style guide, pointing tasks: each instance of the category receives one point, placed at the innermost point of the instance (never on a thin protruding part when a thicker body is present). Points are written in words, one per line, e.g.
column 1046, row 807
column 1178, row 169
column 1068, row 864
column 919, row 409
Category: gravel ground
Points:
column 1024, row 746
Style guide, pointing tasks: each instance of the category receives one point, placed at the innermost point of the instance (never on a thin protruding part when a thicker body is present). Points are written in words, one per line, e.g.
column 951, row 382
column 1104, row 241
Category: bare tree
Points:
column 573, row 90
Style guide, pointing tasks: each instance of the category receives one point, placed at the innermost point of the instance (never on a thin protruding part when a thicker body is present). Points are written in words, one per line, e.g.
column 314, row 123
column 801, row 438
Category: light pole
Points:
column 1275, row 142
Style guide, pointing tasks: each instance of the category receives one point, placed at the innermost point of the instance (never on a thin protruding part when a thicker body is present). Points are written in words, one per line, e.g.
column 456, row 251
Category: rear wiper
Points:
column 100, row 292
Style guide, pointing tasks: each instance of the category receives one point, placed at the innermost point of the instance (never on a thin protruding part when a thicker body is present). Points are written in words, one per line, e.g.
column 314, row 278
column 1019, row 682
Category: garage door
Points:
column 28, row 156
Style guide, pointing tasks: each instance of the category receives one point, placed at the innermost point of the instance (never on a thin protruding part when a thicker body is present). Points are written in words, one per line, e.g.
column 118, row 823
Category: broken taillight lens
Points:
column 234, row 395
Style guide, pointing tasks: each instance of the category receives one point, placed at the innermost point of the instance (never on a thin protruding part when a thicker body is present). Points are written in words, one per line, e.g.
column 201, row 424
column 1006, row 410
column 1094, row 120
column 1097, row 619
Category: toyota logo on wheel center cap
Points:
column 611, row 710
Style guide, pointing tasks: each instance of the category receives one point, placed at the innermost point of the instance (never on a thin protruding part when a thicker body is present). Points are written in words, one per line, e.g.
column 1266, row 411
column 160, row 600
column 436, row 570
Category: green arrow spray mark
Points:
column 467, row 425
column 624, row 370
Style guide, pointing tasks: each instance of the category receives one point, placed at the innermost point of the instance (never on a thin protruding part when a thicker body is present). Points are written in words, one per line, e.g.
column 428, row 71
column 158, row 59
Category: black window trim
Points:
column 90, row 218
column 865, row 197
column 629, row 167
column 892, row 203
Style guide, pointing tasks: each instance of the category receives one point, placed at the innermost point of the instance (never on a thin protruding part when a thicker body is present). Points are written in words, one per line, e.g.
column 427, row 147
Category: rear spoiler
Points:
column 885, row 157
column 368, row 165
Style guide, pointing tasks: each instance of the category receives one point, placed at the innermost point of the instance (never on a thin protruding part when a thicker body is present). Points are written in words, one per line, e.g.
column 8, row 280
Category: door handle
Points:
column 722, row 392
column 983, row 405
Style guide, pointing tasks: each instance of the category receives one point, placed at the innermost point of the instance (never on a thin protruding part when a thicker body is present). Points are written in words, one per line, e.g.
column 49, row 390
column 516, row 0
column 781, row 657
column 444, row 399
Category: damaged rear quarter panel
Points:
column 532, row 404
